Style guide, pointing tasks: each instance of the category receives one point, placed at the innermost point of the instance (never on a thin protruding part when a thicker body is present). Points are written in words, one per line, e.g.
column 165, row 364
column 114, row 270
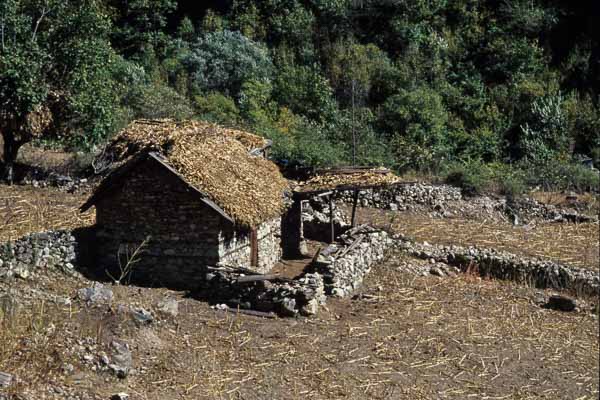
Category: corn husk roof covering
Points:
column 348, row 178
column 215, row 160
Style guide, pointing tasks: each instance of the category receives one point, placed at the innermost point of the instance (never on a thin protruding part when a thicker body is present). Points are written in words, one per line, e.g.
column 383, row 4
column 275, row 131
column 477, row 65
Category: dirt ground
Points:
column 402, row 338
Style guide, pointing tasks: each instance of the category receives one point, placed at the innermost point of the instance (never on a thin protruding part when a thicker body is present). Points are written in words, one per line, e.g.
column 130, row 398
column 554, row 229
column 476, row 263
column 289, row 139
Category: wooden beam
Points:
column 354, row 202
column 331, row 225
column 249, row 312
column 256, row 278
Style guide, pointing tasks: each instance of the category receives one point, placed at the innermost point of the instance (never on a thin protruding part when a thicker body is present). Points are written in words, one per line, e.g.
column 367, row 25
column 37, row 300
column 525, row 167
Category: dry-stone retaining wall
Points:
column 503, row 265
column 344, row 265
column 285, row 297
column 402, row 197
column 24, row 257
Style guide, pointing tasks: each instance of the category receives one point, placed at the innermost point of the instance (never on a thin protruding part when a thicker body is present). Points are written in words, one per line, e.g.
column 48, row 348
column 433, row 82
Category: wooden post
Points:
column 332, row 239
column 354, row 202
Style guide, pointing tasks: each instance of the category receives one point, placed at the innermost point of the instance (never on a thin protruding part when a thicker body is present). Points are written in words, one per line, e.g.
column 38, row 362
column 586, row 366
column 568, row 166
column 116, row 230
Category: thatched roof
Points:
column 215, row 161
column 347, row 179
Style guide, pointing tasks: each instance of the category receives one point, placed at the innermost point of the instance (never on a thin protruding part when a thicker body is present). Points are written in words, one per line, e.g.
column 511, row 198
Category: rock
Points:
column 141, row 316
column 561, row 303
column 168, row 307
column 97, row 294
column 288, row 307
column 103, row 358
column 393, row 207
column 22, row 272
column 310, row 308
column 5, row 379
column 437, row 271
column 121, row 359
column 119, row 396
column 68, row 369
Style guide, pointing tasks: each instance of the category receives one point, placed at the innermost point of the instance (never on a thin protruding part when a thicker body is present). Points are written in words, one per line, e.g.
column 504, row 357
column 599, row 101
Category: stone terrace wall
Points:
column 235, row 249
column 402, row 197
column 503, row 265
column 34, row 253
column 345, row 265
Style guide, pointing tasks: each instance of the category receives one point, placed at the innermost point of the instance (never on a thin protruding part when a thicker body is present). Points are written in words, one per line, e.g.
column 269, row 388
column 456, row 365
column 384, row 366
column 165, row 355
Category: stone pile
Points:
column 285, row 297
column 507, row 266
column 525, row 209
column 404, row 197
column 36, row 252
column 345, row 264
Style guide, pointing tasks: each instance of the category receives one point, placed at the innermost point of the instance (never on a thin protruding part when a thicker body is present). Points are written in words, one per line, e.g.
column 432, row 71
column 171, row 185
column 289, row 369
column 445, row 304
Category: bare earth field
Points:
column 573, row 244
column 401, row 337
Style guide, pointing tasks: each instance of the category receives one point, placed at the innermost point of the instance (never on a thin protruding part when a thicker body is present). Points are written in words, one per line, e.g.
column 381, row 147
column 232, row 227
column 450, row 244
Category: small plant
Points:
column 131, row 258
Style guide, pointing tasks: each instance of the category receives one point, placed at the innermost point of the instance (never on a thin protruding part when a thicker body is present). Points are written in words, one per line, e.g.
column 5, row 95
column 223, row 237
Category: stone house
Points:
column 186, row 196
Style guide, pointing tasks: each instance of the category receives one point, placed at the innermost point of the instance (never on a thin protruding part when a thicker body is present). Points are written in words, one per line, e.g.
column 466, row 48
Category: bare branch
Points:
column 45, row 11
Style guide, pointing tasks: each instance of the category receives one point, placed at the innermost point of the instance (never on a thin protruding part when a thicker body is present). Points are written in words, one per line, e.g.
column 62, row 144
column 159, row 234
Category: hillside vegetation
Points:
column 491, row 94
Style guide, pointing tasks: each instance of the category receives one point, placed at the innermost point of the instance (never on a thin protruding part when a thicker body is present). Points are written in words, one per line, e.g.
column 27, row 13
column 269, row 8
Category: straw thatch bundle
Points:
column 215, row 160
column 347, row 179
column 161, row 134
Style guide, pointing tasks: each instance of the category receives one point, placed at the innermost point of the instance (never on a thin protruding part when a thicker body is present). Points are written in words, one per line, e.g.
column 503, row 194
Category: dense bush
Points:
column 427, row 86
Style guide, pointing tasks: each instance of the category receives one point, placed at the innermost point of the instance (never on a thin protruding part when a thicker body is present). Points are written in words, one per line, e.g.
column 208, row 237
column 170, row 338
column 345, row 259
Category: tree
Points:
column 55, row 77
column 224, row 60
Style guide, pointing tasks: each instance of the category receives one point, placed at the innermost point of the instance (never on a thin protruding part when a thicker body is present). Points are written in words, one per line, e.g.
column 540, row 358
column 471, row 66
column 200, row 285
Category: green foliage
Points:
column 56, row 56
column 417, row 123
column 218, row 108
column 423, row 85
column 305, row 91
column 160, row 101
column 545, row 137
column 223, row 61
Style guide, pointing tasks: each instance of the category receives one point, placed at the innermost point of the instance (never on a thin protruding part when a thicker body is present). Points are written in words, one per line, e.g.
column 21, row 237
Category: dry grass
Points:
column 415, row 338
column 573, row 244
column 25, row 210
column 329, row 180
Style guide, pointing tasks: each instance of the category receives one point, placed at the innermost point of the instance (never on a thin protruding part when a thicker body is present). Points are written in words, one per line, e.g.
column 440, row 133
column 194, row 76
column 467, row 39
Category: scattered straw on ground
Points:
column 408, row 338
column 576, row 245
column 26, row 210
column 216, row 161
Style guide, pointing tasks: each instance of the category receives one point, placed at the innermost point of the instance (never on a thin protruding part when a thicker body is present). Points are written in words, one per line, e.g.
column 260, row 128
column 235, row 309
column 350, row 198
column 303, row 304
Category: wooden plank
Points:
column 257, row 278
column 354, row 203
column 249, row 312
column 331, row 225
column 253, row 248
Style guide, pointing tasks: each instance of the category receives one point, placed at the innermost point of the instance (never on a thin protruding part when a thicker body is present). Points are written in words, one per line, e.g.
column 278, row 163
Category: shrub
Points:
column 223, row 61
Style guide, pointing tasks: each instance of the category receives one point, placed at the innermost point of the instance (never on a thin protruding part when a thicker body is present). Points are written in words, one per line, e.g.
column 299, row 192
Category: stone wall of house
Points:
column 38, row 252
column 180, row 234
column 235, row 246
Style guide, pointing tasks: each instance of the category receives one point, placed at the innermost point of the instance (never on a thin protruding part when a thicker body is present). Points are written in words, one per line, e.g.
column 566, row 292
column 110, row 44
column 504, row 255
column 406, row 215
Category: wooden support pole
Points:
column 354, row 203
column 332, row 226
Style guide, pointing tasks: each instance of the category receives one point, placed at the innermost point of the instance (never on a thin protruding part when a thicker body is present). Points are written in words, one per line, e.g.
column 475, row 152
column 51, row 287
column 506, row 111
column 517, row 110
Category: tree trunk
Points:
column 11, row 149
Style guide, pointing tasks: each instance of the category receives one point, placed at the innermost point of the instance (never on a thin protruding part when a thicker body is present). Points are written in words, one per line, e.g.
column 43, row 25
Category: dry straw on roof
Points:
column 347, row 179
column 216, row 161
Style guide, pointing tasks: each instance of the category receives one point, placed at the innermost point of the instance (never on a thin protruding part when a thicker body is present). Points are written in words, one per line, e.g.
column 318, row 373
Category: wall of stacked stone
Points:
column 285, row 297
column 402, row 197
column 36, row 252
column 184, row 234
column 344, row 265
column 236, row 249
column 507, row 266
